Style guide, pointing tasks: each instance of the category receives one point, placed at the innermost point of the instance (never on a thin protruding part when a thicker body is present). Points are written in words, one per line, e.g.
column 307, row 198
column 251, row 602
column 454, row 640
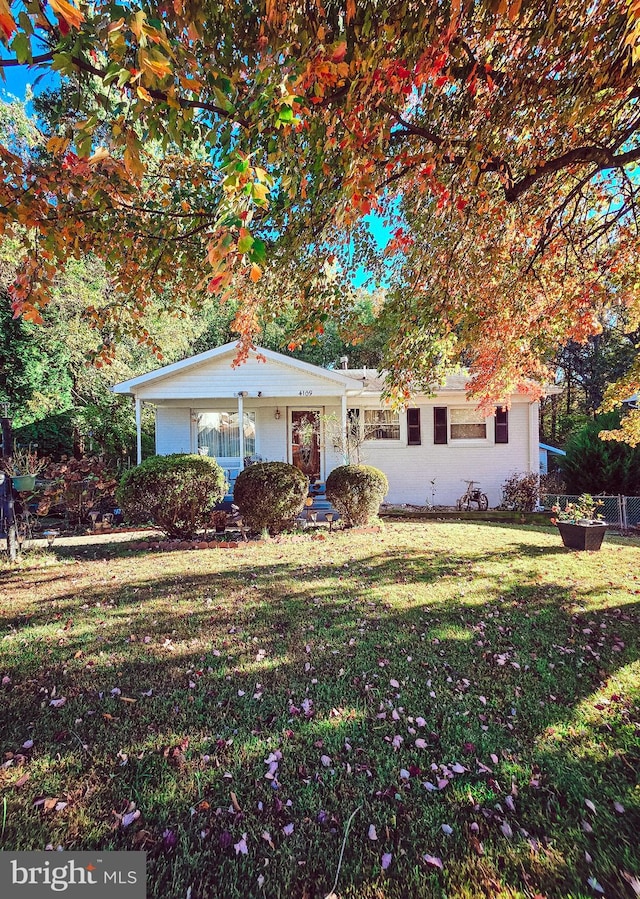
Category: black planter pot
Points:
column 582, row 536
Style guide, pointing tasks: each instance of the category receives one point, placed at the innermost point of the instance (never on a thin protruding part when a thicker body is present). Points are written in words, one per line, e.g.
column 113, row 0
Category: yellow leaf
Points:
column 143, row 93
column 256, row 273
column 69, row 13
column 99, row 156
column 57, row 144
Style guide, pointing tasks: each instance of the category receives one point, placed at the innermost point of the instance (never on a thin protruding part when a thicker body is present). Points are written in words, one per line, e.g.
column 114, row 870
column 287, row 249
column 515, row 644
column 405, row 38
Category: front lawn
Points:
column 467, row 695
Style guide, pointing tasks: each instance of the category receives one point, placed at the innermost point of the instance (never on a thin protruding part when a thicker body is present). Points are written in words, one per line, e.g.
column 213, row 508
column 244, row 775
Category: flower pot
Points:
column 582, row 536
column 24, row 482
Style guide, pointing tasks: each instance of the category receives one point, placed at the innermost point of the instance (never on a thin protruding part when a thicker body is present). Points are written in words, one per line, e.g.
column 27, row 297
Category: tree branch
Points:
column 43, row 57
column 88, row 67
column 602, row 157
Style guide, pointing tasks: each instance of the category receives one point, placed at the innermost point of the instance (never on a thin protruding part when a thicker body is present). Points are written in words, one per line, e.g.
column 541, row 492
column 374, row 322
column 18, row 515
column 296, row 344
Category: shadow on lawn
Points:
column 282, row 611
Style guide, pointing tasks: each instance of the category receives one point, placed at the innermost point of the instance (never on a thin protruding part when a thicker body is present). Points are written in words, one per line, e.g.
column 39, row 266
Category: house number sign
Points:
column 305, row 393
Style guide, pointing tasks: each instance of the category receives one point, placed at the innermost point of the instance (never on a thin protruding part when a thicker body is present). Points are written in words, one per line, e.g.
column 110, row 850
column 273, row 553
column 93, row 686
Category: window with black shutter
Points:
column 502, row 426
column 413, row 427
column 440, row 424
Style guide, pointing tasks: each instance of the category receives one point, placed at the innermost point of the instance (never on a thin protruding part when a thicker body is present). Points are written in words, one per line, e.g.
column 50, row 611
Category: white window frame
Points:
column 467, row 441
column 361, row 411
column 226, row 411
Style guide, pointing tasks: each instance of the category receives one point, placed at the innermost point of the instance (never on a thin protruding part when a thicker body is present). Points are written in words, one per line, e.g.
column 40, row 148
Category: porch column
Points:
column 343, row 415
column 138, row 430
column 343, row 425
column 241, row 427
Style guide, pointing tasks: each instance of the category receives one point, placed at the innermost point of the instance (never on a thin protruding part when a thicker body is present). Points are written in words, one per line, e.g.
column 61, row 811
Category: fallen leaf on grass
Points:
column 287, row 830
column 234, row 802
column 386, row 860
column 21, row 781
column 589, row 804
column 434, row 861
column 593, row 883
column 241, row 846
column 266, row 836
column 372, row 832
column 130, row 817
column 634, row 882
column 49, row 804
column 58, row 703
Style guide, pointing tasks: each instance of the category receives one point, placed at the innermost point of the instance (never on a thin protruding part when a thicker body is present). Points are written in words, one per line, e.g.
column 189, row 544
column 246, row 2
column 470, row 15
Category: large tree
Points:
column 236, row 149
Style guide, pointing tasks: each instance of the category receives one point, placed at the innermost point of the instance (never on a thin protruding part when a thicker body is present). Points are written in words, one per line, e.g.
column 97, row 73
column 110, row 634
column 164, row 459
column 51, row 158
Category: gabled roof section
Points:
column 336, row 377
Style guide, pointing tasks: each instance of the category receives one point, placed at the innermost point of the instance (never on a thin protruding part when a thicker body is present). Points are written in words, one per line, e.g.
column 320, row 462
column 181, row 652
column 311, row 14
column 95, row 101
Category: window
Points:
column 381, row 424
column 353, row 422
column 468, row 424
column 218, row 433
column 413, row 427
column 502, row 426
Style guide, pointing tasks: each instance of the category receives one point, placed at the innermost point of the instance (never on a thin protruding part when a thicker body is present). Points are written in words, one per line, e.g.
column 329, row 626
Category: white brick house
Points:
column 285, row 404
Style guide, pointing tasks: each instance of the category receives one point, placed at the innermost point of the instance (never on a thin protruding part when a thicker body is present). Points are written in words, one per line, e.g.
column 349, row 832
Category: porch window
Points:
column 381, row 424
column 467, row 424
column 218, row 432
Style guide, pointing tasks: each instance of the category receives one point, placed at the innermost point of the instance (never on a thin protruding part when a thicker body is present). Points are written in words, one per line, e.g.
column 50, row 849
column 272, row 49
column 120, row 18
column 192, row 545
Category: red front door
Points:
column 305, row 442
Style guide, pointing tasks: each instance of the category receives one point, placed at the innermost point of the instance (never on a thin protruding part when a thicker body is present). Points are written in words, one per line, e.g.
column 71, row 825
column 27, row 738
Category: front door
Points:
column 305, row 442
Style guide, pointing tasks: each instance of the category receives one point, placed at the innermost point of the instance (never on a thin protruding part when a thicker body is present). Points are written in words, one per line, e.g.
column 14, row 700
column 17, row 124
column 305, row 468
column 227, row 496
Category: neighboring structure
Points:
column 285, row 406
column 545, row 451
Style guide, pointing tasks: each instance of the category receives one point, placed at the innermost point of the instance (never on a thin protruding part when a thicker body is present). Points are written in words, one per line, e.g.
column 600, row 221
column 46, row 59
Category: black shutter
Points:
column 502, row 426
column 440, row 424
column 413, row 427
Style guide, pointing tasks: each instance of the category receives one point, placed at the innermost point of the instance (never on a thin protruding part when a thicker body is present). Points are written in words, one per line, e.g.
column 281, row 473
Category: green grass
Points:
column 520, row 656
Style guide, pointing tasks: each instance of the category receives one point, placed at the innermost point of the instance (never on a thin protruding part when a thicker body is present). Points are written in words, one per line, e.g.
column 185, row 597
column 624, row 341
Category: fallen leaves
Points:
column 241, row 847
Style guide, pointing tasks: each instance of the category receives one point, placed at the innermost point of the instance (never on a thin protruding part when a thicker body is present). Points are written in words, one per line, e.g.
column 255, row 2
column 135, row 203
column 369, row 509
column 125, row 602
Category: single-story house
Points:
column 289, row 410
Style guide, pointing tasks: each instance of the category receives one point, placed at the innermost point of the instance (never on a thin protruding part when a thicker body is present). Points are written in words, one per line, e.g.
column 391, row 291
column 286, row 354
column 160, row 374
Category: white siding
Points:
column 173, row 430
column 410, row 469
column 217, row 379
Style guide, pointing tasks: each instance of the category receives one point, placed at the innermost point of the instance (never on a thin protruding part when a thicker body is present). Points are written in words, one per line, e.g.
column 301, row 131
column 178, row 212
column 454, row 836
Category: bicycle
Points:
column 472, row 495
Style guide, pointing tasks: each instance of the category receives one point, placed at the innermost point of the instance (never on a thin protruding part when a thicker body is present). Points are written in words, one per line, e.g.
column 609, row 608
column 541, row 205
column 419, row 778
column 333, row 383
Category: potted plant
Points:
column 579, row 523
column 23, row 466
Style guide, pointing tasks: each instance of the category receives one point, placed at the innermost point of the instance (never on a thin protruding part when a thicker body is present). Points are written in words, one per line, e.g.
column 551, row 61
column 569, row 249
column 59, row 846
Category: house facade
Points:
column 291, row 411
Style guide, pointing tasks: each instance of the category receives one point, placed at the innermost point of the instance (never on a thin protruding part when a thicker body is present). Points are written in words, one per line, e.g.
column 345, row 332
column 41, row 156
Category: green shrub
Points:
column 357, row 491
column 594, row 466
column 176, row 493
column 270, row 495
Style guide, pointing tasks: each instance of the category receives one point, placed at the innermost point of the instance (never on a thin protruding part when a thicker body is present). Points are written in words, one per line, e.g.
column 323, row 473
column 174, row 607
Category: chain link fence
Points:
column 619, row 511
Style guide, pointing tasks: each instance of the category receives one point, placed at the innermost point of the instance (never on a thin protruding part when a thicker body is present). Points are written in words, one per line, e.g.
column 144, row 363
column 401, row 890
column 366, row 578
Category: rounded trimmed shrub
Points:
column 270, row 495
column 357, row 491
column 177, row 493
